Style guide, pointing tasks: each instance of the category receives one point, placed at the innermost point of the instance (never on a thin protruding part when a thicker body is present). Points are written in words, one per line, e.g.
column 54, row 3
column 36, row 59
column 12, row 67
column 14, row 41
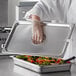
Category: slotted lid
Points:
column 20, row 40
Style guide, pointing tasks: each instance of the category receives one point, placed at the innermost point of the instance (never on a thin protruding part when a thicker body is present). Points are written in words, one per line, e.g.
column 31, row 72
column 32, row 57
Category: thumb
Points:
column 42, row 24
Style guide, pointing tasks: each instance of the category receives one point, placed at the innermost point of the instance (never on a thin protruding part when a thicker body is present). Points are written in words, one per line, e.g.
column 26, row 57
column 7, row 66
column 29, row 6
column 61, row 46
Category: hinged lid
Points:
column 57, row 37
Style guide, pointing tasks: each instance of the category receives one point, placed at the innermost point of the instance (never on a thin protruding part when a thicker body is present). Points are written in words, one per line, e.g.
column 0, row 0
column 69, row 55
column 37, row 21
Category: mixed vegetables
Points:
column 39, row 60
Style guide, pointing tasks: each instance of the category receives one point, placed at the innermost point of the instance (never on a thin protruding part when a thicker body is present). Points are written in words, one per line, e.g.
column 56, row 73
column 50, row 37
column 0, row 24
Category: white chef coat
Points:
column 49, row 10
column 61, row 10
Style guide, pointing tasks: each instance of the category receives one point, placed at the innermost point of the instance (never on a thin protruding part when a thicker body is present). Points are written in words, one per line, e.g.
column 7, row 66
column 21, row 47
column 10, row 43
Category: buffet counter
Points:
column 7, row 68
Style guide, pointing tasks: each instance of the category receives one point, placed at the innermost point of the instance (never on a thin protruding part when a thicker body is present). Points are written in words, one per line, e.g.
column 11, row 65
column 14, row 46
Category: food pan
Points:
column 42, row 68
column 19, row 42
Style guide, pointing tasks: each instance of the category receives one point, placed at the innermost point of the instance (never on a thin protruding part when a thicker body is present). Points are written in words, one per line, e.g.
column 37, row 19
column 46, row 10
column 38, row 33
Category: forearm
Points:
column 37, row 31
column 34, row 17
column 36, row 20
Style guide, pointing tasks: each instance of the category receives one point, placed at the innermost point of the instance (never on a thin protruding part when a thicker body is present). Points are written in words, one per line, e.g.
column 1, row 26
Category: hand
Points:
column 38, row 32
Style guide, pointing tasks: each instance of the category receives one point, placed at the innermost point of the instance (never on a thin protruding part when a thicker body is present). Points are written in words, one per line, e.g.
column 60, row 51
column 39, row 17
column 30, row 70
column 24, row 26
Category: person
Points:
column 49, row 10
column 62, row 11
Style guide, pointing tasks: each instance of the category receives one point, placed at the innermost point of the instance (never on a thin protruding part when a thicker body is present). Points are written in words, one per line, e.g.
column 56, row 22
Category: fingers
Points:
column 34, row 38
column 37, row 39
column 38, row 33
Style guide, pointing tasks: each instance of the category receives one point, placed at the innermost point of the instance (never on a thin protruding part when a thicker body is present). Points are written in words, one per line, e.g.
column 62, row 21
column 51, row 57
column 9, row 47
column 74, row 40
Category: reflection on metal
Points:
column 22, row 8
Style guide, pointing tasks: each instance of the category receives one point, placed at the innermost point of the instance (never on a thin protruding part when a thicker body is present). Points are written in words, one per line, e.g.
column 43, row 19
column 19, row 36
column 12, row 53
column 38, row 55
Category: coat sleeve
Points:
column 36, row 10
column 48, row 10
column 41, row 10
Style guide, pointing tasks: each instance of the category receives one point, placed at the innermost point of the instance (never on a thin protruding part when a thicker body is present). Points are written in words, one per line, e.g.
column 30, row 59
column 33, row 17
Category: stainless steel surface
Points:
column 4, row 32
column 7, row 68
column 20, row 40
column 3, row 13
